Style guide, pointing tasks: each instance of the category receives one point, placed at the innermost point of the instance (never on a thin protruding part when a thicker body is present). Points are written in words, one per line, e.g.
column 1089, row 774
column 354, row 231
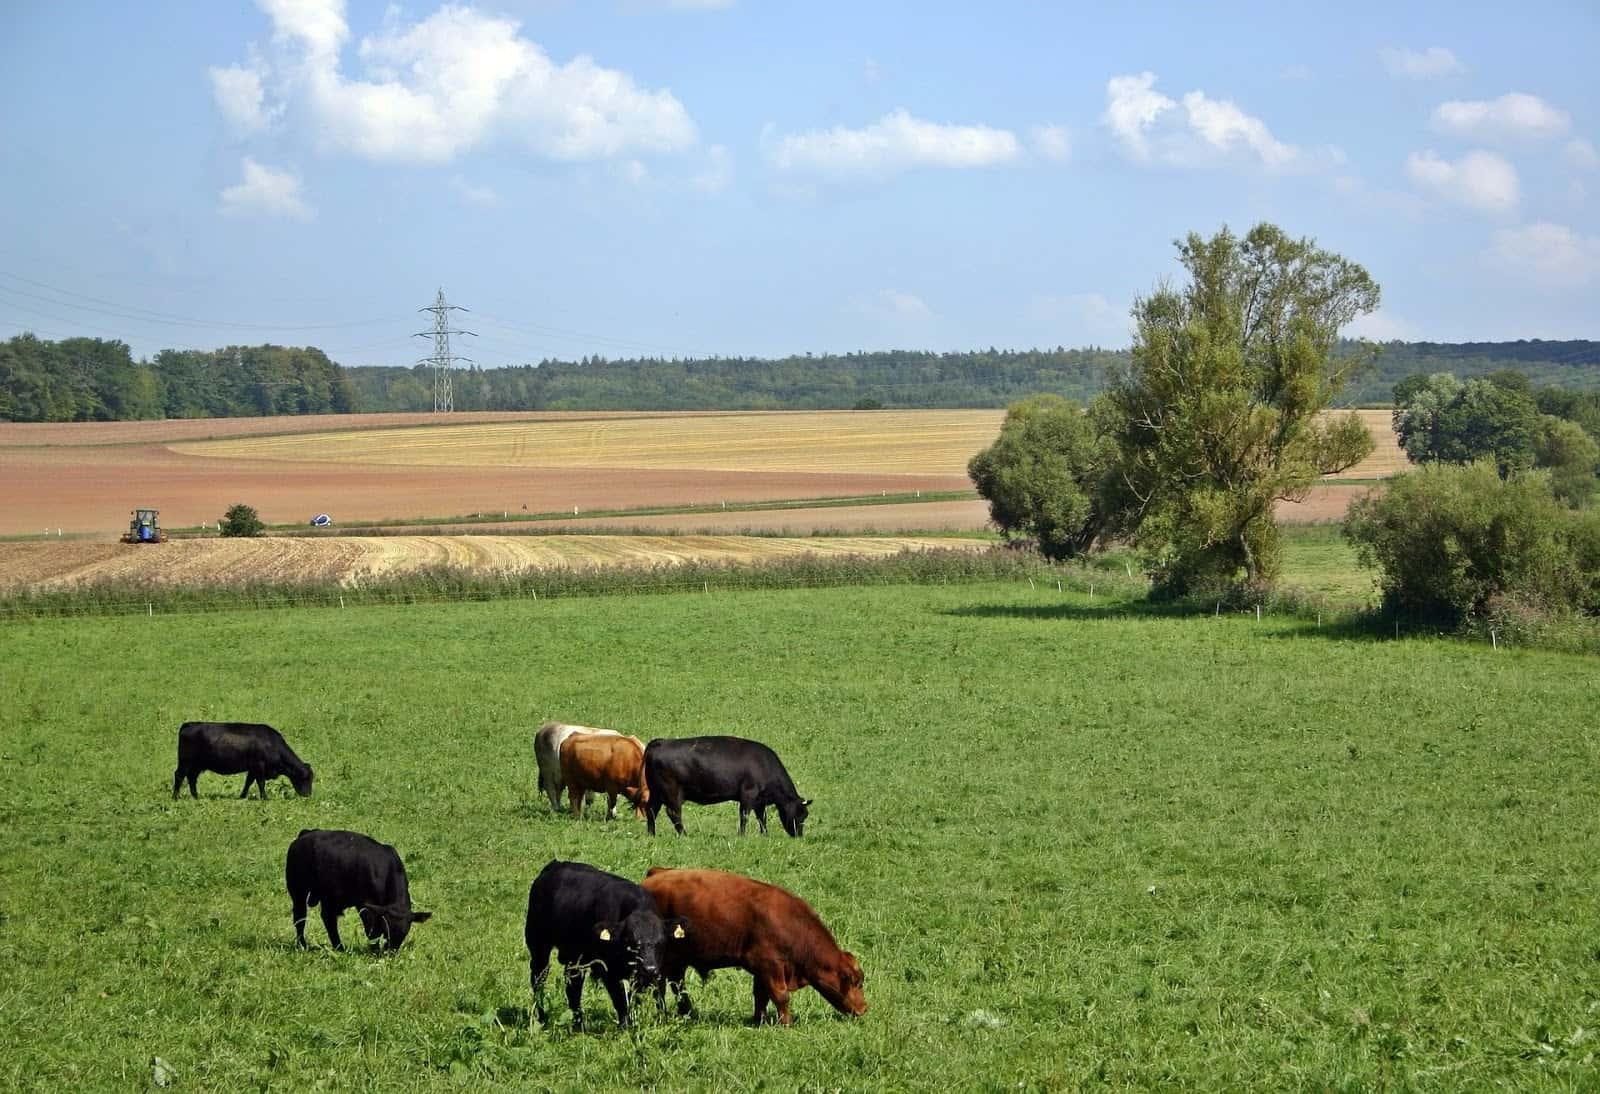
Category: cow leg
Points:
column 619, row 999
column 538, row 967
column 194, row 778
column 761, row 995
column 761, row 818
column 611, row 807
column 574, row 974
column 576, row 798
column 743, row 812
column 553, row 791
column 330, row 921
column 675, row 812
column 300, row 920
column 261, row 785
column 177, row 781
column 650, row 812
column 249, row 777
column 681, row 990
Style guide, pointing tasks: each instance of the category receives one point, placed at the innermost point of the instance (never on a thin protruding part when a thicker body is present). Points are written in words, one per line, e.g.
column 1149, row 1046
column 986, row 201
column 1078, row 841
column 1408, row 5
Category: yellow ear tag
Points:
column 605, row 935
column 677, row 932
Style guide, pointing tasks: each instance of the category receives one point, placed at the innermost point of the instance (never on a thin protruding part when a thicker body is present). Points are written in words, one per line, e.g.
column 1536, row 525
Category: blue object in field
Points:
column 146, row 533
column 321, row 520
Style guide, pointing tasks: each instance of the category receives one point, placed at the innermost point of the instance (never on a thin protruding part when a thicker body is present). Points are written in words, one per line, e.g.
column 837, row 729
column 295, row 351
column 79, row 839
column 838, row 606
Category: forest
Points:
column 92, row 379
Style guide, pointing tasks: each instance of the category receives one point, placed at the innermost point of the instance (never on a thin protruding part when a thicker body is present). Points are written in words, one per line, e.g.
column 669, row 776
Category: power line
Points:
column 130, row 311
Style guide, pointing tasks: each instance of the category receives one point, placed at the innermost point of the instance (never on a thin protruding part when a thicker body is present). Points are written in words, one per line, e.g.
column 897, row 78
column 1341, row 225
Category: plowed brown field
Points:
column 350, row 559
column 85, row 477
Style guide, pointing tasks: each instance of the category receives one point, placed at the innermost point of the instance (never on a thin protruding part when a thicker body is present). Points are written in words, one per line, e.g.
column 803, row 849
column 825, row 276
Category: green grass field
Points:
column 1069, row 842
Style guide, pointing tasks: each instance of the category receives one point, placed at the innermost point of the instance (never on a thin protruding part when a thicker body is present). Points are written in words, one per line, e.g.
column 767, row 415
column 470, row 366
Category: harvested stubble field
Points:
column 84, row 477
column 212, row 562
column 1072, row 843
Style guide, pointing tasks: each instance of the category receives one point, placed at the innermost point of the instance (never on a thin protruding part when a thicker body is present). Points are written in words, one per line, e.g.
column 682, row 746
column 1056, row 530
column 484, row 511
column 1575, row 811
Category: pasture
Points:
column 1069, row 841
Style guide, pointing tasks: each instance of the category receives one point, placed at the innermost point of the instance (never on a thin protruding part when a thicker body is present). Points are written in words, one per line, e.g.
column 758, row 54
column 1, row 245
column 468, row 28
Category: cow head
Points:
column 841, row 986
column 793, row 815
column 390, row 922
column 636, row 946
column 301, row 779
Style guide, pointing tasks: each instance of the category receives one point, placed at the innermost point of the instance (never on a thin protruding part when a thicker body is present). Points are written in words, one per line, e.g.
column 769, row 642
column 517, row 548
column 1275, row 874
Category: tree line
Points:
column 87, row 379
column 94, row 379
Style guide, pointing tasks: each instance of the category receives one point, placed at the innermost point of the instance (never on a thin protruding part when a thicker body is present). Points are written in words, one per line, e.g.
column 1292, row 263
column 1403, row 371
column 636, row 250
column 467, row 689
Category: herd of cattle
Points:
column 600, row 925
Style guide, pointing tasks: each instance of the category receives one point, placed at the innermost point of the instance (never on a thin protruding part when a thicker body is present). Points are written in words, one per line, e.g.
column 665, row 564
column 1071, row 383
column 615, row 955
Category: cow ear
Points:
column 806, row 802
column 421, row 917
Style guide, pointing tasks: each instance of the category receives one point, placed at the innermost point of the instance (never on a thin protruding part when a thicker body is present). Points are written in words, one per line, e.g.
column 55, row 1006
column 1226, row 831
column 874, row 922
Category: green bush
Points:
column 241, row 520
column 1449, row 541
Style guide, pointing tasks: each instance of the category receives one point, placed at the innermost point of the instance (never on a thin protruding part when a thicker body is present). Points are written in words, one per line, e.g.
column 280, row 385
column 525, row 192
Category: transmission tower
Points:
column 442, row 360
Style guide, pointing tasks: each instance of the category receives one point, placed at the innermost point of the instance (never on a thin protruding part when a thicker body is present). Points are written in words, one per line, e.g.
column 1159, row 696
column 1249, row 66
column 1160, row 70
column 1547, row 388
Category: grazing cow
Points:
column 738, row 922
column 597, row 923
column 231, row 747
column 605, row 764
column 707, row 770
column 547, row 752
column 341, row 870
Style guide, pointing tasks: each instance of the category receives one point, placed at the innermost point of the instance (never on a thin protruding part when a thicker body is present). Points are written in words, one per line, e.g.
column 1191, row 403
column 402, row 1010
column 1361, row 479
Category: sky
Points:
column 740, row 177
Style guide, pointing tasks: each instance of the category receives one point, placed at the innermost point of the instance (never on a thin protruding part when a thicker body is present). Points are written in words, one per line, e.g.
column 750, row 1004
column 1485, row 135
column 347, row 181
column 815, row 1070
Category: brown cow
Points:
column 738, row 922
column 604, row 764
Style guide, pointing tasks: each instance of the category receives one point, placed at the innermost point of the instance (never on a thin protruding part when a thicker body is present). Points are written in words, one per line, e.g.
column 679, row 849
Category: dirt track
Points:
column 350, row 559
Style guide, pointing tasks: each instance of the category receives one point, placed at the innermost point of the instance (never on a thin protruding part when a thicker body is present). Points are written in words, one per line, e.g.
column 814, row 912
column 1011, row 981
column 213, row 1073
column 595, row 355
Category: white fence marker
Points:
column 1258, row 613
column 1494, row 639
column 341, row 602
column 150, row 609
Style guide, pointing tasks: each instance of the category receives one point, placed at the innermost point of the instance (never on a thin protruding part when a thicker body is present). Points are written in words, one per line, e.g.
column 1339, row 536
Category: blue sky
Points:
column 743, row 177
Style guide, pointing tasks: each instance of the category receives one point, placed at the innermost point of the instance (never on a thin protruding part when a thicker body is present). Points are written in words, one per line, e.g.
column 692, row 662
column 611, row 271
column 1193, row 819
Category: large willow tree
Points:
column 1221, row 413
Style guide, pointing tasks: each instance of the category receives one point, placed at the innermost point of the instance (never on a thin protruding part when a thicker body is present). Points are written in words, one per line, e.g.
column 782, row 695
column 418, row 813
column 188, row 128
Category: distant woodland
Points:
column 91, row 379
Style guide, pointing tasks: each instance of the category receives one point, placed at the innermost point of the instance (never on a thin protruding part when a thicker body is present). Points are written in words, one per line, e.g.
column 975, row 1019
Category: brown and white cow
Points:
column 547, row 744
column 606, row 764
column 738, row 922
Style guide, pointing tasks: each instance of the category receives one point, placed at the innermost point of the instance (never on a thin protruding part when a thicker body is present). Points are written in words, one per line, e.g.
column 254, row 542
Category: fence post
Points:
column 1258, row 613
column 150, row 609
column 341, row 600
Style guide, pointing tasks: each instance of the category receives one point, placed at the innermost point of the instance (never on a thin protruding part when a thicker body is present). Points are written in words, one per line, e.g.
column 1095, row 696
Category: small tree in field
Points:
column 1220, row 414
column 241, row 520
column 1042, row 475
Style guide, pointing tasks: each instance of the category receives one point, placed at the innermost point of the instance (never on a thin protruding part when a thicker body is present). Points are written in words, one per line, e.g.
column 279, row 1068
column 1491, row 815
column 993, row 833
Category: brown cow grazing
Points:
column 607, row 765
column 738, row 922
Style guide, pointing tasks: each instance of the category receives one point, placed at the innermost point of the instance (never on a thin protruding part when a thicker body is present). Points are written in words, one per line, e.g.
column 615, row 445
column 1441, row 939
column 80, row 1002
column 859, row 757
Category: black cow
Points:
column 707, row 770
column 341, row 870
column 597, row 923
column 231, row 747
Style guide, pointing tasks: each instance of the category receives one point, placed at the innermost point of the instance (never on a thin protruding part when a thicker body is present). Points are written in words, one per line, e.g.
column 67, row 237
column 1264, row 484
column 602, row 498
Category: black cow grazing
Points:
column 707, row 770
column 597, row 923
column 231, row 747
column 341, row 870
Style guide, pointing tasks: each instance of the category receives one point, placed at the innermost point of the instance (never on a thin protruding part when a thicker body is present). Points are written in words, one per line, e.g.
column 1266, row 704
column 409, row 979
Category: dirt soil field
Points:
column 43, row 565
column 83, row 478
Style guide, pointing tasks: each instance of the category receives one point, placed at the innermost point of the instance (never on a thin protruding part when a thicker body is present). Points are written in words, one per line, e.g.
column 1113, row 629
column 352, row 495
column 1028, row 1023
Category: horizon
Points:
column 725, row 178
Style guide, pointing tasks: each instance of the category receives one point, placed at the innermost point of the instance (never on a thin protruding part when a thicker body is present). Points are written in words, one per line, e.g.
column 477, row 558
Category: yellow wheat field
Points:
column 824, row 442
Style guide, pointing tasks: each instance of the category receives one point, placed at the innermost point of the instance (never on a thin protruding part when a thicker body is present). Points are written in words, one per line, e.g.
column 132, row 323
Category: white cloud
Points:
column 1380, row 326
column 634, row 172
column 1052, row 142
column 1551, row 255
column 1223, row 125
column 482, row 196
column 241, row 98
column 1581, row 154
column 1511, row 115
column 1479, row 180
column 1082, row 318
column 456, row 80
column 718, row 172
column 1142, row 119
column 266, row 192
column 893, row 305
column 1423, row 64
column 895, row 142
column 1132, row 107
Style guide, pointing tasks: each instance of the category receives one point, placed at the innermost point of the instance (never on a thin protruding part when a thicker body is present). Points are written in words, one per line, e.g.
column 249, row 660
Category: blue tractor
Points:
column 144, row 528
